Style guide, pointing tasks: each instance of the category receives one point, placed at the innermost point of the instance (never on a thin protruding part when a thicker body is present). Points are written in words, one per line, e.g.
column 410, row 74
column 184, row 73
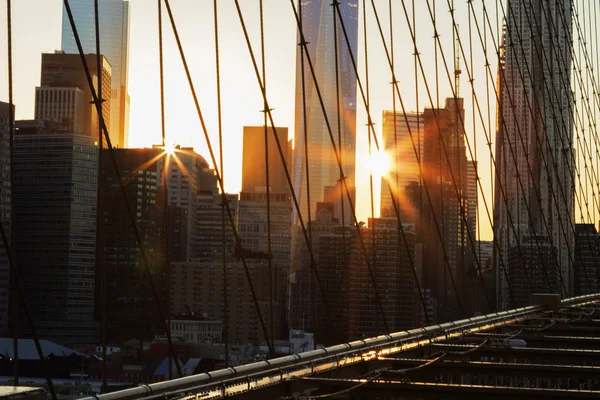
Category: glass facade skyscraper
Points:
column 318, row 24
column 5, row 207
column 114, row 45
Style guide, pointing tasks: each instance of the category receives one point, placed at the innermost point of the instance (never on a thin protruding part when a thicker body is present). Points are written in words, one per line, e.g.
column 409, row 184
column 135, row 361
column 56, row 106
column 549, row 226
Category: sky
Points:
column 37, row 25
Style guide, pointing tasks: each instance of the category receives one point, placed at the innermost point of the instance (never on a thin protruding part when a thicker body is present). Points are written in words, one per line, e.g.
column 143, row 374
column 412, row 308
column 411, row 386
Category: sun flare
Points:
column 380, row 163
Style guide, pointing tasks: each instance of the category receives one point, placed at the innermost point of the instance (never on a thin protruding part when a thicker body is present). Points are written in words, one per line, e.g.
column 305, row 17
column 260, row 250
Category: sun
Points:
column 380, row 163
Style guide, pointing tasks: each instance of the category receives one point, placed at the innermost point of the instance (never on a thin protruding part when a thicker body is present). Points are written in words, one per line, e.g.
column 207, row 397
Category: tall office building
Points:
column 396, row 139
column 535, row 110
column 7, row 111
column 58, row 101
column 253, row 160
column 318, row 26
column 114, row 45
column 209, row 225
column 587, row 256
column 55, row 215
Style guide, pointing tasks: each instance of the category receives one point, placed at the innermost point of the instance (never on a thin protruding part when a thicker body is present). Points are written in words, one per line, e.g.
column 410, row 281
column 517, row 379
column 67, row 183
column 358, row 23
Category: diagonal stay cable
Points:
column 219, row 178
column 11, row 127
column 137, row 235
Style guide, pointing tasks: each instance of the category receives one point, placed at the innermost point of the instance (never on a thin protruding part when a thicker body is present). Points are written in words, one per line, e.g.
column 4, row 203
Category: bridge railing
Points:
column 236, row 380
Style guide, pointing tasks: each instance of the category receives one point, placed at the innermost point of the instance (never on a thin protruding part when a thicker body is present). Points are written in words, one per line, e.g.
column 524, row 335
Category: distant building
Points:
column 196, row 330
column 337, row 196
column 114, row 45
column 253, row 160
column 304, row 293
column 587, row 256
column 397, row 143
column 392, row 269
column 7, row 111
column 197, row 287
column 65, row 105
column 253, row 231
column 60, row 71
column 532, row 269
column 209, row 226
column 55, row 216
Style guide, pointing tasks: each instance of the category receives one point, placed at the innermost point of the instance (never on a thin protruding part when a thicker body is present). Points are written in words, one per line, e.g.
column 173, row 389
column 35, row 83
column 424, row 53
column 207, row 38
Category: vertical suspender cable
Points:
column 267, row 180
column 5, row 241
column 11, row 133
column 339, row 133
column 164, row 180
column 99, row 241
column 307, row 170
column 223, row 194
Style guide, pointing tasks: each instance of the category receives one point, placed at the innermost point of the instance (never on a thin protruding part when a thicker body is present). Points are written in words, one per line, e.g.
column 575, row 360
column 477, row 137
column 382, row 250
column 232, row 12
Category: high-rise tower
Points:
column 535, row 129
column 114, row 45
column 318, row 23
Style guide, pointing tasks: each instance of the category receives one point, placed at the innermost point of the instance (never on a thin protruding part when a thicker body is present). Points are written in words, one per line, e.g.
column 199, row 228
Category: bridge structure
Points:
column 541, row 351
column 544, row 175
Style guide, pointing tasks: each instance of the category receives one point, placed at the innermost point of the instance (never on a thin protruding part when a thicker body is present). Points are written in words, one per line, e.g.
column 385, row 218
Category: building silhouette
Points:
column 114, row 45
column 55, row 215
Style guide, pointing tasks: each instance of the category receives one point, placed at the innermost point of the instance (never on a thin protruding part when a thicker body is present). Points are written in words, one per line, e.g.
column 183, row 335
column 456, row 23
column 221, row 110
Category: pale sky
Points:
column 36, row 29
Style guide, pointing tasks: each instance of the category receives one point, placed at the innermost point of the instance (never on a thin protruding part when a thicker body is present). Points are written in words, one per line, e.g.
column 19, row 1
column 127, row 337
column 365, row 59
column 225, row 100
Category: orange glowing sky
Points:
column 36, row 29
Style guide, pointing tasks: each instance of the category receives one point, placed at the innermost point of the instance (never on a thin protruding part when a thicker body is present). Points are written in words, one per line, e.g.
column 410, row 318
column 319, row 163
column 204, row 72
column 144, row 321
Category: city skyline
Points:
column 182, row 122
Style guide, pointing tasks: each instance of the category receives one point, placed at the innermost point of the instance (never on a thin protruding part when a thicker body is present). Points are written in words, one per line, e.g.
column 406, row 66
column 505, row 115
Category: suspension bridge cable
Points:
column 268, row 189
column 404, row 111
column 369, row 131
column 339, row 131
column 219, row 179
column 9, row 248
column 164, row 178
column 11, row 137
column 362, row 93
column 99, row 209
column 130, row 213
column 307, row 164
column 223, row 194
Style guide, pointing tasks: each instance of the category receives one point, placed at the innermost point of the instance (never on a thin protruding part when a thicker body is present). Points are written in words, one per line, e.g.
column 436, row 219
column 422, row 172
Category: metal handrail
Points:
column 278, row 370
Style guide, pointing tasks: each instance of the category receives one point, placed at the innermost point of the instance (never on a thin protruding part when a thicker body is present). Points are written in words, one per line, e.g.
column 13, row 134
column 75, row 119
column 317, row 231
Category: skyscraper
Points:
column 56, row 175
column 317, row 19
column 535, row 127
column 253, row 160
column 397, row 143
column 57, row 101
column 5, row 209
column 114, row 45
